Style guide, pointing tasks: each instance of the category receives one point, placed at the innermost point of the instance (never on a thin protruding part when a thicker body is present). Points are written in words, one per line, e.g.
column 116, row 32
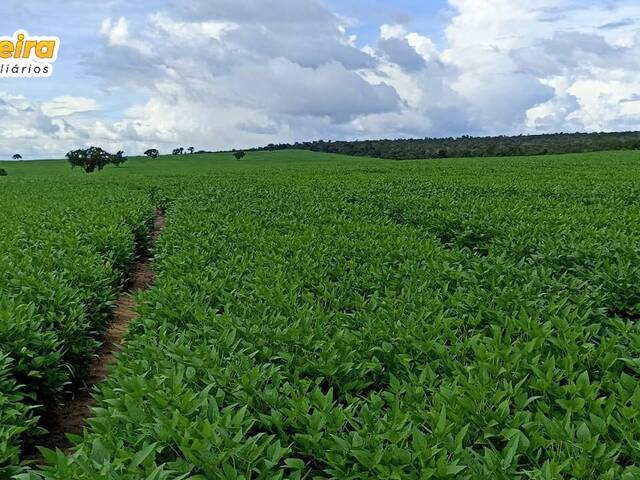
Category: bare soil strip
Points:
column 71, row 416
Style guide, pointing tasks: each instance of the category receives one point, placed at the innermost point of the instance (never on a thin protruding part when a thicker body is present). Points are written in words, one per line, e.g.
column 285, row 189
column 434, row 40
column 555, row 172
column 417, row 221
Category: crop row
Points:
column 63, row 255
column 383, row 324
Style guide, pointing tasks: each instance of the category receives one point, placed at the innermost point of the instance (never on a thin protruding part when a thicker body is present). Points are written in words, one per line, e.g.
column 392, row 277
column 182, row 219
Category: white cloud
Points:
column 67, row 105
column 423, row 45
column 388, row 32
column 51, row 128
column 539, row 66
column 244, row 74
column 117, row 33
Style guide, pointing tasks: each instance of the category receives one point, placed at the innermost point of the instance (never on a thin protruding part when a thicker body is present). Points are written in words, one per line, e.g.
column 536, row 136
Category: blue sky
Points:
column 252, row 72
column 427, row 16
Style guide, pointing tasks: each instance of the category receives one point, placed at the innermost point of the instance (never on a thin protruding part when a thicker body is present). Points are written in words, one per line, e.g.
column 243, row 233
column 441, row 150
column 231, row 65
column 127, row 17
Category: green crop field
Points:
column 317, row 316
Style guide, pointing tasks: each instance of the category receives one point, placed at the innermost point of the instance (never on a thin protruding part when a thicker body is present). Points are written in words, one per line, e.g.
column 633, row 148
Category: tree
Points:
column 89, row 159
column 118, row 159
column 152, row 153
column 17, row 156
column 191, row 150
column 3, row 172
column 239, row 154
column 178, row 151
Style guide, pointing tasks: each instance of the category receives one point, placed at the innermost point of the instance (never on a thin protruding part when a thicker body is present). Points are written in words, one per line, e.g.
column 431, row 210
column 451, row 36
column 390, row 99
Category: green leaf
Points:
column 510, row 451
column 143, row 455
column 295, row 463
column 583, row 434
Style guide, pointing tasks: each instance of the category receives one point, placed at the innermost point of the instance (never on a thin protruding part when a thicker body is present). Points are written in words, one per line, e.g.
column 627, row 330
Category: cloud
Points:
column 538, row 66
column 117, row 33
column 575, row 53
column 329, row 91
column 627, row 22
column 267, row 69
column 24, row 127
column 399, row 52
column 303, row 31
column 50, row 129
column 390, row 31
column 67, row 105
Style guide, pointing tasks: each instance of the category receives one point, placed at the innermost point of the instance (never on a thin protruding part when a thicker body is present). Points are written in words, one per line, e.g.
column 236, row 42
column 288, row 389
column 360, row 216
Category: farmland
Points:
column 321, row 316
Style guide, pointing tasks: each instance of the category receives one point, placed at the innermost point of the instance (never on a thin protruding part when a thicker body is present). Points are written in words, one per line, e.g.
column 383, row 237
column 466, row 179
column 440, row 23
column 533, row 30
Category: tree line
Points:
column 467, row 146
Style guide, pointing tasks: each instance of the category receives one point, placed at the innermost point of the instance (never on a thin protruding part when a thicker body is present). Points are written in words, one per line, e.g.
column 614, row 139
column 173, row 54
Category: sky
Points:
column 223, row 74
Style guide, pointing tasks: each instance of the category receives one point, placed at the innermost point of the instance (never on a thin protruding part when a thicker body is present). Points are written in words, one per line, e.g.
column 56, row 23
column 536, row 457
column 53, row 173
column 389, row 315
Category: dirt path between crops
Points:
column 71, row 416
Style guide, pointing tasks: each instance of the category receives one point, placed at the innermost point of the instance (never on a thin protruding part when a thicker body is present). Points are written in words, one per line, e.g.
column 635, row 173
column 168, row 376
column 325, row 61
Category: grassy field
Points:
column 318, row 316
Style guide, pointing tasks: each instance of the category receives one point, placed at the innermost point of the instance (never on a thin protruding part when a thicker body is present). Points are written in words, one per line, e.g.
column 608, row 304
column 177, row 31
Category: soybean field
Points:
column 317, row 316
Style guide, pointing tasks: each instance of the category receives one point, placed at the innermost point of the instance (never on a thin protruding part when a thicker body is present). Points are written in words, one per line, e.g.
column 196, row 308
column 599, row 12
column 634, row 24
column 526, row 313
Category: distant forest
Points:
column 466, row 146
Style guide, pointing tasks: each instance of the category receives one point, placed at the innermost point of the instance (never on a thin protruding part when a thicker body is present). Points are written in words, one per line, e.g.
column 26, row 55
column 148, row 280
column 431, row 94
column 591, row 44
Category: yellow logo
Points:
column 26, row 56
